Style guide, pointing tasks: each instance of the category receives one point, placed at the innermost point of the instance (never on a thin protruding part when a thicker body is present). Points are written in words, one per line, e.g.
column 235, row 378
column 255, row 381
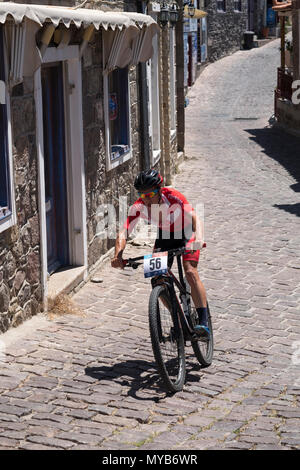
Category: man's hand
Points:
column 196, row 245
column 117, row 262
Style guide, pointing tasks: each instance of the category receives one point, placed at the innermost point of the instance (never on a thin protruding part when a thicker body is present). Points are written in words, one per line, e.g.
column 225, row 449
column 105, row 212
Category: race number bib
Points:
column 155, row 264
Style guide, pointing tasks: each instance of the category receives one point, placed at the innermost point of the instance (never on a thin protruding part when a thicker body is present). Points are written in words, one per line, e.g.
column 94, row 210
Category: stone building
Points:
column 87, row 99
column 227, row 22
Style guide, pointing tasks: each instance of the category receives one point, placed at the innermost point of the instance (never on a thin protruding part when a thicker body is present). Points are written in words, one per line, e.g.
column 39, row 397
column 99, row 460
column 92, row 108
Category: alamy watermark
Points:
column 296, row 360
column 175, row 220
column 296, row 93
column 2, row 352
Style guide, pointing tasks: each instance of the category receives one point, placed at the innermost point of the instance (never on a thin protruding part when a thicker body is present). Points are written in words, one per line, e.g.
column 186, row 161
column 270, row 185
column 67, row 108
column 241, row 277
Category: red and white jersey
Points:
column 173, row 214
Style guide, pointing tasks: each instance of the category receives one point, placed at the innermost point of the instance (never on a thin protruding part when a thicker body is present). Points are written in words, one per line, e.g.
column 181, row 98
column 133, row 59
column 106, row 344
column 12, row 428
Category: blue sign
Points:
column 271, row 17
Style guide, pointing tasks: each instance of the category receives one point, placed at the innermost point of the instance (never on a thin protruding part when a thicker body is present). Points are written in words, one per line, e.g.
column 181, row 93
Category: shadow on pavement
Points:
column 285, row 149
column 292, row 208
column 139, row 376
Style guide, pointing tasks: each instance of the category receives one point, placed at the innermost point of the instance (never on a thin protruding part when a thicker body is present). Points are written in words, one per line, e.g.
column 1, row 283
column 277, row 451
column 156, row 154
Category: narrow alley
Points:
column 87, row 379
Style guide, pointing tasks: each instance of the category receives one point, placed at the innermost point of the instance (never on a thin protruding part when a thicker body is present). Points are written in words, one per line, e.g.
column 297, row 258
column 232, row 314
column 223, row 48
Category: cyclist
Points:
column 178, row 226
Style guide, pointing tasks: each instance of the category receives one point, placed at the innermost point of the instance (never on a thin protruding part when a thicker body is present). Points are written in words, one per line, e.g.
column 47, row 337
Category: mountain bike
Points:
column 172, row 318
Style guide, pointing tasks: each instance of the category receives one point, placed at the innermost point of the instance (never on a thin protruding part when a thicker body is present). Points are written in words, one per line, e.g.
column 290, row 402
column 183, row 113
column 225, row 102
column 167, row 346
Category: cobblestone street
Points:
column 88, row 380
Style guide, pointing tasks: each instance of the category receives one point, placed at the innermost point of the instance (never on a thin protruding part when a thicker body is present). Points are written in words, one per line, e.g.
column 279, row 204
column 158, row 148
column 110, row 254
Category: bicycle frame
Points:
column 169, row 280
column 187, row 330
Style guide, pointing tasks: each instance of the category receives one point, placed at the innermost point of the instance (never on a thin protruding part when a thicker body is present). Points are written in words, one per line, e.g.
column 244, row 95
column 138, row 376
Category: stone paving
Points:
column 88, row 380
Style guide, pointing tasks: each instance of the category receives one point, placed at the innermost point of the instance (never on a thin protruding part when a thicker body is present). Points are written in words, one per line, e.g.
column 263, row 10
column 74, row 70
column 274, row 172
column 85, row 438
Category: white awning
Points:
column 41, row 14
column 121, row 32
column 127, row 47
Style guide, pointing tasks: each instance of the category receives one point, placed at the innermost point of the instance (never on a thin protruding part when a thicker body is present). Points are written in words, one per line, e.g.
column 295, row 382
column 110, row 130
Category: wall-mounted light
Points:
column 191, row 8
column 174, row 13
column 164, row 14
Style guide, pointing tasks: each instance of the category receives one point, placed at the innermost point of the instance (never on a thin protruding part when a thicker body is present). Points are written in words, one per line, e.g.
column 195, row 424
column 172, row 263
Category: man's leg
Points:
column 198, row 295
column 197, row 287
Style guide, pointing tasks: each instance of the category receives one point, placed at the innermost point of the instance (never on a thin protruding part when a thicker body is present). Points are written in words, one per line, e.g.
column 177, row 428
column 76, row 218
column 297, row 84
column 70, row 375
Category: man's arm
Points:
column 198, row 232
column 121, row 240
column 117, row 261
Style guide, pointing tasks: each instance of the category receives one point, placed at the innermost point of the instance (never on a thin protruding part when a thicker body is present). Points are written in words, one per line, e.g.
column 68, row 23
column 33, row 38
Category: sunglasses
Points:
column 152, row 194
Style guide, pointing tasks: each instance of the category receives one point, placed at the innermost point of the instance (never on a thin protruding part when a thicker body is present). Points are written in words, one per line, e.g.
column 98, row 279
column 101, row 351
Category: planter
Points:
column 265, row 32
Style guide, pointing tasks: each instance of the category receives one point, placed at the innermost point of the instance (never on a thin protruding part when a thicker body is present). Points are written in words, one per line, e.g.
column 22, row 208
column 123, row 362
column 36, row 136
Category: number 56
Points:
column 155, row 263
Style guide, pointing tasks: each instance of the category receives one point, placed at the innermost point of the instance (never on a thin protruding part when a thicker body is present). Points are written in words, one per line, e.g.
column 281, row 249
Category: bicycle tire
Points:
column 202, row 350
column 167, row 340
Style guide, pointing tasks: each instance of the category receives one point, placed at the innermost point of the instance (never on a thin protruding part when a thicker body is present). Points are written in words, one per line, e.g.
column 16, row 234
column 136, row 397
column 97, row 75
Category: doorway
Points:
column 55, row 166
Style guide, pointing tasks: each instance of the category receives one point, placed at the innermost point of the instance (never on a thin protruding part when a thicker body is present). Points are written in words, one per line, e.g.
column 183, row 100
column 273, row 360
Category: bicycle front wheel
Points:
column 167, row 340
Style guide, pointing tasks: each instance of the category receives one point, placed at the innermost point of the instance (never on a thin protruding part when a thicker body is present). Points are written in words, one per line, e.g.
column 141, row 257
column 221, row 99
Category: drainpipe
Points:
column 282, row 36
column 143, row 98
column 180, row 79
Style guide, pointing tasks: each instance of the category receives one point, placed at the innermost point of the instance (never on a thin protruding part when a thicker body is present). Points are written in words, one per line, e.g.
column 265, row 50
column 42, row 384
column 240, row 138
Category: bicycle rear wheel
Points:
column 167, row 340
column 203, row 350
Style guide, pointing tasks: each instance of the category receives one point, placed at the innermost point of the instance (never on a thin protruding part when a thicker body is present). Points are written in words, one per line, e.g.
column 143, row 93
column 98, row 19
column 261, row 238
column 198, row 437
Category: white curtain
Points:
column 15, row 37
column 23, row 57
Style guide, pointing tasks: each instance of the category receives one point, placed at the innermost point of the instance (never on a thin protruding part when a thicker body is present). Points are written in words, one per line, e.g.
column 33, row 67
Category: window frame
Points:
column 239, row 9
column 154, row 102
column 127, row 155
column 173, row 126
column 9, row 219
column 224, row 6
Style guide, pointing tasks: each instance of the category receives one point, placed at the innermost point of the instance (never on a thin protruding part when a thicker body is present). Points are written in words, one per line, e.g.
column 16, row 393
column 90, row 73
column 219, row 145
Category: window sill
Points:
column 7, row 222
column 155, row 156
column 118, row 161
column 173, row 134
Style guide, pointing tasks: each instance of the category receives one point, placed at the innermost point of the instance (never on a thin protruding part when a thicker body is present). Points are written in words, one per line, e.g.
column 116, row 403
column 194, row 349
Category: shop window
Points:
column 221, row 5
column 238, row 5
column 5, row 168
column 118, row 114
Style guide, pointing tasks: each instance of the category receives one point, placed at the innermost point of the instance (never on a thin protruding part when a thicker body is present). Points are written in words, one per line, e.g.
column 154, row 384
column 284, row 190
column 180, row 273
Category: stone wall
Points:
column 20, row 283
column 102, row 186
column 225, row 29
column 288, row 116
column 21, row 293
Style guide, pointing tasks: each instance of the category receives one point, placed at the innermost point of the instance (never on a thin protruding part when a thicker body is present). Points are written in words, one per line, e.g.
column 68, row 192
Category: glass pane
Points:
column 4, row 180
column 118, row 104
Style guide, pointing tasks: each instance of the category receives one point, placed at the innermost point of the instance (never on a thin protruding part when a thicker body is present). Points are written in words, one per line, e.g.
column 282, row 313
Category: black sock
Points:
column 202, row 315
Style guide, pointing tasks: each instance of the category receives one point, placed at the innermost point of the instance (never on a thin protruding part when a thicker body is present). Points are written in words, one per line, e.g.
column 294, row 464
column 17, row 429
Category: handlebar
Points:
column 132, row 262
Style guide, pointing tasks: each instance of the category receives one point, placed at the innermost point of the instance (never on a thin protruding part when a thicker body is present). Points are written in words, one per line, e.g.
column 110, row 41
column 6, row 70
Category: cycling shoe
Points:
column 202, row 332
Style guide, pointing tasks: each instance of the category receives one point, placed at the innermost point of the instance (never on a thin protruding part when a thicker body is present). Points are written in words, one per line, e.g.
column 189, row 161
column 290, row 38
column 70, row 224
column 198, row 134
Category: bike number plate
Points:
column 155, row 264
